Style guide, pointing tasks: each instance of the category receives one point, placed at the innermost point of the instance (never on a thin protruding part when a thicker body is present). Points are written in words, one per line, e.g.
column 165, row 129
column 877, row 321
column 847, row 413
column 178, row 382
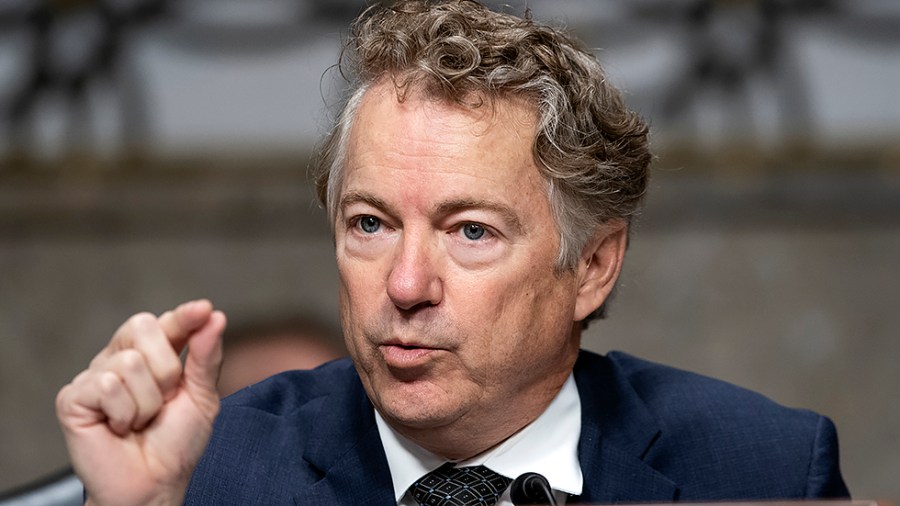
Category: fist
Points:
column 138, row 419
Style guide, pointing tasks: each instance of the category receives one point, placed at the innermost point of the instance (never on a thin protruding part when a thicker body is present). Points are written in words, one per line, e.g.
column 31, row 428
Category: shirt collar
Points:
column 548, row 445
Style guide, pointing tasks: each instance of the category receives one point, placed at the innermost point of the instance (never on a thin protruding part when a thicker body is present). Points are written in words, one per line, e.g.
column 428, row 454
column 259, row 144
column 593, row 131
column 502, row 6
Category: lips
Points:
column 404, row 356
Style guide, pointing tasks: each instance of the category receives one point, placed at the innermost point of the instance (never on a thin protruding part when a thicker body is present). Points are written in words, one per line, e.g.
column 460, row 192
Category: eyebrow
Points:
column 506, row 213
column 357, row 197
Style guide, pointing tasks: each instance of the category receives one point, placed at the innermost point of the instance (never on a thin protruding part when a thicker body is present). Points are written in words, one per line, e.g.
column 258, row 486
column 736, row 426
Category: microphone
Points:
column 531, row 488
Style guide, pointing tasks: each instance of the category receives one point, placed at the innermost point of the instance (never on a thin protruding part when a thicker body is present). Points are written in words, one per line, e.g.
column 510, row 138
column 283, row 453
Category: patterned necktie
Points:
column 459, row 486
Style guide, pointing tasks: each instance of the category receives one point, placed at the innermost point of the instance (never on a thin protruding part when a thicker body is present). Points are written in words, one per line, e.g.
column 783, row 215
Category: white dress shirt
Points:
column 548, row 446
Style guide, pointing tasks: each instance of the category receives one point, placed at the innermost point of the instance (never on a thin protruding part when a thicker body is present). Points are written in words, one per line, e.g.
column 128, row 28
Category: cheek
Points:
column 358, row 296
column 536, row 314
column 499, row 313
column 359, row 278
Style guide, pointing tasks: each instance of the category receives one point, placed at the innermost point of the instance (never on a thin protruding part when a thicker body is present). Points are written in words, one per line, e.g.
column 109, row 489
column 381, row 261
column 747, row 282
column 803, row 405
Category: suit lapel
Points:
column 616, row 432
column 346, row 451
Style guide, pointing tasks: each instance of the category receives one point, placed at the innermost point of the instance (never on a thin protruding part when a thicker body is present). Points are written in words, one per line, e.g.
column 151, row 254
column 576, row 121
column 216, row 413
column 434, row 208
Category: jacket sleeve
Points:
column 824, row 479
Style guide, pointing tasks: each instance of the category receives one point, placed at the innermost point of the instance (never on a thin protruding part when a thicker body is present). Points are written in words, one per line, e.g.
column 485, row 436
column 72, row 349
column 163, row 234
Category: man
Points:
column 480, row 181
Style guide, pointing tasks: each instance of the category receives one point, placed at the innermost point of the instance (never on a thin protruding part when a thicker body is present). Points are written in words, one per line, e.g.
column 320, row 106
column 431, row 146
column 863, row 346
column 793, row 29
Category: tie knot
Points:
column 459, row 486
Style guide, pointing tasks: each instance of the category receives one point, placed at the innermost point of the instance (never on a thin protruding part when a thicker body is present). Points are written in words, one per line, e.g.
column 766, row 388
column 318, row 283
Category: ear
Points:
column 599, row 266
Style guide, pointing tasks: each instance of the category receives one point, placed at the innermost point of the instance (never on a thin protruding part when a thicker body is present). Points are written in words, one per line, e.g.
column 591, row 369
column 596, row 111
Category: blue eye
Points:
column 473, row 231
column 369, row 224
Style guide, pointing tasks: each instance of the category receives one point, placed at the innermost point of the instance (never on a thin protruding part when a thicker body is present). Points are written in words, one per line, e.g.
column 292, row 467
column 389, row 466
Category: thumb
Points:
column 204, row 358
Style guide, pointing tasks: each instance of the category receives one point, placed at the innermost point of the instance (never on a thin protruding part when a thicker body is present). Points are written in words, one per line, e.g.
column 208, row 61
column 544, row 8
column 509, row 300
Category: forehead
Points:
column 480, row 148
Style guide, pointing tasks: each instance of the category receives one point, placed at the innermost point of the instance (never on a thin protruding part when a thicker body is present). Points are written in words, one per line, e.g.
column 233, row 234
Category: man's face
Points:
column 446, row 247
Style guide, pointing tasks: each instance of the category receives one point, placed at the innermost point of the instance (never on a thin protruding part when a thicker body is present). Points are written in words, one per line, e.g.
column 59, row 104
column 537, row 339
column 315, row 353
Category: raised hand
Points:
column 137, row 421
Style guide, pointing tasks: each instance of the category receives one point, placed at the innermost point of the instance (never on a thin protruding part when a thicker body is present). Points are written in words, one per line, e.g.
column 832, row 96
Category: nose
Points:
column 414, row 280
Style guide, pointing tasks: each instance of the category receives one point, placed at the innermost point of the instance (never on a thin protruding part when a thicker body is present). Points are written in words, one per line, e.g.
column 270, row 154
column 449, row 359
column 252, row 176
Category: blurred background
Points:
column 155, row 151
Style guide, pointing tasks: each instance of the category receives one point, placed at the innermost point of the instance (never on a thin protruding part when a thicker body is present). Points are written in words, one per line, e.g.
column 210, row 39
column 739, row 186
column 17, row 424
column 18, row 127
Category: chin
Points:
column 416, row 418
column 418, row 411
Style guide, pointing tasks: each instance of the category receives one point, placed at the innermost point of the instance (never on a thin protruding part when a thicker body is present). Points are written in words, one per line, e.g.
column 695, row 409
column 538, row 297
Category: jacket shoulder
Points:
column 678, row 397
column 719, row 440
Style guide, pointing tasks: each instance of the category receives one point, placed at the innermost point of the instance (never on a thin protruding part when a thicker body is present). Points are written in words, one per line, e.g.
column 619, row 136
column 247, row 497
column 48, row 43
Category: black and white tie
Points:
column 459, row 486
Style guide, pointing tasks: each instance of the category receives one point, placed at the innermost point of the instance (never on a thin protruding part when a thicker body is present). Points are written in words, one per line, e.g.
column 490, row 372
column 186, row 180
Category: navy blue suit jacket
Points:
column 649, row 433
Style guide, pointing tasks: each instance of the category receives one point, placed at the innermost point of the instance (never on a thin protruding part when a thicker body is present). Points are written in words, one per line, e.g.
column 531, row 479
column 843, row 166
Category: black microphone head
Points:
column 531, row 488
